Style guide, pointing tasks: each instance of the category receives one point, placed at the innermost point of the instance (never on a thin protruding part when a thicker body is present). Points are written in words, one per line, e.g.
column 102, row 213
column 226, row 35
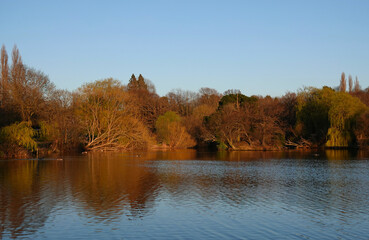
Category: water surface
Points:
column 187, row 195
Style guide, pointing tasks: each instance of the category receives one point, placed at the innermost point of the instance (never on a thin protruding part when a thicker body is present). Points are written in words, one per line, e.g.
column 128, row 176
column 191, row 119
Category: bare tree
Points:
column 28, row 89
column 181, row 101
column 209, row 97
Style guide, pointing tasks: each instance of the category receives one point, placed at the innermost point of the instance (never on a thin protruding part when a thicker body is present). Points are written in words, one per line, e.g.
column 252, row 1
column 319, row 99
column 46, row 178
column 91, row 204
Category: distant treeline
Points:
column 107, row 115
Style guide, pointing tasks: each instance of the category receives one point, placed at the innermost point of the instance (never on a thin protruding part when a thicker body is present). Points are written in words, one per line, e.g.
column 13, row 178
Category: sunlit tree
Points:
column 350, row 83
column 106, row 119
column 357, row 86
column 171, row 132
column 328, row 117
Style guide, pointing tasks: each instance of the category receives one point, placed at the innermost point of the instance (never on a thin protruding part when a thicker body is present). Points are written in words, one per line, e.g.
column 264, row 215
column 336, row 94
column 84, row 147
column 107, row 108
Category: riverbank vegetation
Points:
column 108, row 115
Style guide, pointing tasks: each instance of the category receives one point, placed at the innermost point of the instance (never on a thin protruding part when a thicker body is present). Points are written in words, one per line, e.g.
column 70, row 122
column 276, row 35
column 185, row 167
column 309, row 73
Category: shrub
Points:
column 20, row 134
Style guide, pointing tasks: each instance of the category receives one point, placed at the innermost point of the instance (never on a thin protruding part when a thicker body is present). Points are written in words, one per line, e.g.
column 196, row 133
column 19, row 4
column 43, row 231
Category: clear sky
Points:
column 259, row 47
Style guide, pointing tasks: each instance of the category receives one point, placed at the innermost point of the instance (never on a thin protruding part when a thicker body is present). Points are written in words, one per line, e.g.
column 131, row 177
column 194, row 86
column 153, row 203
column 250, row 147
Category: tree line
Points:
column 108, row 115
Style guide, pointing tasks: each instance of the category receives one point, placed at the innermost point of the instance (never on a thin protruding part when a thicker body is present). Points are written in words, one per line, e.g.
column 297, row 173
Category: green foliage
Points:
column 343, row 114
column 237, row 99
column 338, row 138
column 163, row 125
column 20, row 134
column 168, row 117
column 47, row 131
column 329, row 117
column 222, row 146
column 171, row 132
column 344, row 111
column 312, row 114
column 105, row 115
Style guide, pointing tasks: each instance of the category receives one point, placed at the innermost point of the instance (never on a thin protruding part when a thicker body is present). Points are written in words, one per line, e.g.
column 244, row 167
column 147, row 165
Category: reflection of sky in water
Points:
column 187, row 194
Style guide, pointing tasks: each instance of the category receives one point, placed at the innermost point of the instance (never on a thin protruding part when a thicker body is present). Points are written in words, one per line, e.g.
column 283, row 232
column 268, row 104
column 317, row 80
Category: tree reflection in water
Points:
column 115, row 187
column 29, row 190
column 108, row 187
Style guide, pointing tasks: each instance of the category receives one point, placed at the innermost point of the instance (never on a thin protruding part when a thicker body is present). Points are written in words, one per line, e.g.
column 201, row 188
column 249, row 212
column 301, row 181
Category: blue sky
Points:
column 259, row 47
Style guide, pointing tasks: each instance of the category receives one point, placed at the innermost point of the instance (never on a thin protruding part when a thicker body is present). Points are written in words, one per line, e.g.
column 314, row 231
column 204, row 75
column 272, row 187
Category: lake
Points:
column 187, row 195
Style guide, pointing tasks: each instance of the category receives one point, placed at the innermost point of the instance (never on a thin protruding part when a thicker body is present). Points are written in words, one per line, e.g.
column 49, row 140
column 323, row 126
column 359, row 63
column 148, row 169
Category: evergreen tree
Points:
column 141, row 84
column 132, row 84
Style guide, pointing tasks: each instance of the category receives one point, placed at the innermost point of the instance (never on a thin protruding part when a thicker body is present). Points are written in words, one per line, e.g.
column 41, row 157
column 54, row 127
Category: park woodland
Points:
column 113, row 115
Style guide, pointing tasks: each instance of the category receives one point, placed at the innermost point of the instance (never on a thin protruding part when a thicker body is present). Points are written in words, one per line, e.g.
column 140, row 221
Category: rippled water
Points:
column 187, row 195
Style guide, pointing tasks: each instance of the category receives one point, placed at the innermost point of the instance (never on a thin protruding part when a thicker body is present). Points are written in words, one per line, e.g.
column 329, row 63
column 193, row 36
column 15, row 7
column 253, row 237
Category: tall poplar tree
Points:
column 4, row 74
column 357, row 87
column 343, row 83
column 350, row 83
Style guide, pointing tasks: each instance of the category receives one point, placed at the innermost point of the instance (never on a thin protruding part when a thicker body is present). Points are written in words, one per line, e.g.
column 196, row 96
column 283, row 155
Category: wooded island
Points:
column 107, row 115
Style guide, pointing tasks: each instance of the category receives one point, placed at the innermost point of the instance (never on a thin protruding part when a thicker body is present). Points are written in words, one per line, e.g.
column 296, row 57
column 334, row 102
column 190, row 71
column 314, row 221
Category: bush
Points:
column 170, row 131
column 19, row 134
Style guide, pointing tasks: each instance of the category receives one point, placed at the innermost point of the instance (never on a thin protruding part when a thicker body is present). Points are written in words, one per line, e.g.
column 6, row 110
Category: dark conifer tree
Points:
column 141, row 84
column 132, row 84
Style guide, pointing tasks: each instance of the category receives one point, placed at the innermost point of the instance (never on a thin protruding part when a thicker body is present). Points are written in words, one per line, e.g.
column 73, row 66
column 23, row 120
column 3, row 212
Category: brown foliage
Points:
column 105, row 115
column 288, row 103
column 254, row 124
column 362, row 130
column 27, row 90
column 265, row 120
column 230, row 126
column 357, row 87
column 106, row 118
column 62, row 119
column 209, row 96
column 194, row 122
column 143, row 101
column 181, row 101
column 363, row 96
